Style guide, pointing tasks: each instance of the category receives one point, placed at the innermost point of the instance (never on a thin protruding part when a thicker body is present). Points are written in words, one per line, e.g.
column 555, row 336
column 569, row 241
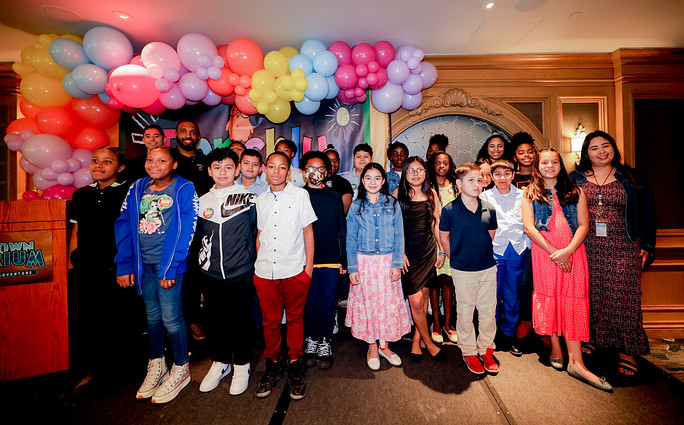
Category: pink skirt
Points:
column 376, row 309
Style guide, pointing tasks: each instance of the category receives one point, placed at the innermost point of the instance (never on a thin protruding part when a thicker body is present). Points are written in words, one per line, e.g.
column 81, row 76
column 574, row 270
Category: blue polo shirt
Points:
column 469, row 239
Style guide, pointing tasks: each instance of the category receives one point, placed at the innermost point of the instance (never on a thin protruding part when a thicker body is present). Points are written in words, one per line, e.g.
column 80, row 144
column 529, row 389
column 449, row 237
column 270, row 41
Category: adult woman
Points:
column 620, row 243
column 496, row 147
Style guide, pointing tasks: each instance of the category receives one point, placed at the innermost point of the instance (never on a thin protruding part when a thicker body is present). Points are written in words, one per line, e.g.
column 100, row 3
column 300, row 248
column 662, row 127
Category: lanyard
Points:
column 599, row 211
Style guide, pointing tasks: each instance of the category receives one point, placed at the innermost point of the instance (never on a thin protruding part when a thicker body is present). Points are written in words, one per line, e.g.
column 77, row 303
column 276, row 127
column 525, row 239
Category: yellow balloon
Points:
column 27, row 53
column 279, row 112
column 289, row 52
column 263, row 80
column 45, row 39
column 256, row 95
column 263, row 108
column 271, row 97
column 22, row 68
column 43, row 92
column 297, row 95
column 73, row 37
column 301, row 84
column 42, row 62
column 298, row 74
column 275, row 63
column 286, row 82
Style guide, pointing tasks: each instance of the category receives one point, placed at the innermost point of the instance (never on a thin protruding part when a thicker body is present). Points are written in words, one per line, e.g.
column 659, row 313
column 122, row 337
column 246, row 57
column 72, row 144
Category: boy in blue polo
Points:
column 466, row 229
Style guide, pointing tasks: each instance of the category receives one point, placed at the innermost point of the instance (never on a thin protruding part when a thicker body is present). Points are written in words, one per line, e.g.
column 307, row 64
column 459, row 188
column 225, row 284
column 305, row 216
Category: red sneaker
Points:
column 474, row 364
column 490, row 363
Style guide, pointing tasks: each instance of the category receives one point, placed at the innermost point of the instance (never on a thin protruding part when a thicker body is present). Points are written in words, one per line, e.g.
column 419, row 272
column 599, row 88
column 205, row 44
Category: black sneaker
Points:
column 515, row 349
column 270, row 379
column 295, row 378
column 324, row 354
column 310, row 350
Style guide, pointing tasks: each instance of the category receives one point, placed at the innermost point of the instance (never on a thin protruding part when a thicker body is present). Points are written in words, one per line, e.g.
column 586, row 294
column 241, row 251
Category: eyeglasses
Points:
column 418, row 171
column 312, row 169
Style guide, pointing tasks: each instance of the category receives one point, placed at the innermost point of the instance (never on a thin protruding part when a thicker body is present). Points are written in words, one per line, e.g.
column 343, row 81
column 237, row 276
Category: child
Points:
column 250, row 165
column 442, row 173
column 496, row 147
column 437, row 143
column 101, row 315
column 227, row 229
column 289, row 148
column 421, row 218
column 556, row 218
column 466, row 228
column 238, row 147
column 375, row 256
column 485, row 165
column 337, row 182
column 510, row 247
column 283, row 270
column 330, row 257
column 153, row 137
column 397, row 153
column 523, row 147
column 153, row 236
column 363, row 154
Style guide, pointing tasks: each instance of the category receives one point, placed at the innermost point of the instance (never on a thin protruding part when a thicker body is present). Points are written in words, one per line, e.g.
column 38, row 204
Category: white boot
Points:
column 157, row 372
column 178, row 379
column 240, row 380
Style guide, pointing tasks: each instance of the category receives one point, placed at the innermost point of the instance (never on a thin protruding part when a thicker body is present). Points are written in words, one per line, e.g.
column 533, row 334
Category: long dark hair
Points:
column 508, row 152
column 450, row 175
column 405, row 189
column 384, row 190
column 585, row 163
column 568, row 192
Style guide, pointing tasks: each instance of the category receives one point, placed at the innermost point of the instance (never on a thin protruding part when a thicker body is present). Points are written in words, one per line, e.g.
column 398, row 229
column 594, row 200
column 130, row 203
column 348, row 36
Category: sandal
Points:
column 588, row 348
column 627, row 365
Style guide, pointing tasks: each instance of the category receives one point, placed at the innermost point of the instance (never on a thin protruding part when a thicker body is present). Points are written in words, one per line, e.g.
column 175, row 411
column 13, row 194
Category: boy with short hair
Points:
column 250, row 165
column 511, row 247
column 466, row 229
column 227, row 229
column 362, row 155
column 397, row 153
column 283, row 269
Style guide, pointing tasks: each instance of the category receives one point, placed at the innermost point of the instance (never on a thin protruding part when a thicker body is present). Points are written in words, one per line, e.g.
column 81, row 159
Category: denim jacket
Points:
column 640, row 215
column 379, row 230
column 393, row 179
column 543, row 213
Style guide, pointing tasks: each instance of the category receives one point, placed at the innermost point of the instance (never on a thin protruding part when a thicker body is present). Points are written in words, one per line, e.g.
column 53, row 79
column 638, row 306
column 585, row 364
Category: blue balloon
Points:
column 312, row 47
column 71, row 88
column 68, row 53
column 301, row 62
column 107, row 47
column 317, row 87
column 325, row 63
column 90, row 78
column 104, row 97
column 333, row 88
column 307, row 107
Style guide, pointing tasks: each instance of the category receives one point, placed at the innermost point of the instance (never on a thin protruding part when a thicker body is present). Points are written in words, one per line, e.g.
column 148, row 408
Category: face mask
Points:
column 315, row 176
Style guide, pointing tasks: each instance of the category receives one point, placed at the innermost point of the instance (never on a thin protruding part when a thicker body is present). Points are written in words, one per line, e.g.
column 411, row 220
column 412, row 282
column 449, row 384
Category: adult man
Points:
column 192, row 163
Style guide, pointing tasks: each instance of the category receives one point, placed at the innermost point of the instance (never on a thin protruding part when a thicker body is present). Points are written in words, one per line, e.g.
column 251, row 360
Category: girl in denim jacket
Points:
column 375, row 256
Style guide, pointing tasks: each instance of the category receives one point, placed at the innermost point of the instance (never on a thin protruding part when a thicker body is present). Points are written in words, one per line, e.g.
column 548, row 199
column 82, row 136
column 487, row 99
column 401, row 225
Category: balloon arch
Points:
column 74, row 89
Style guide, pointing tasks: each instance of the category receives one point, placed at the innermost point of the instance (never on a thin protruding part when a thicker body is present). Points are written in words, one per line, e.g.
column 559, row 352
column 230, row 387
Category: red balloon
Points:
column 58, row 121
column 133, row 86
column 137, row 60
column 28, row 109
column 155, row 109
column 90, row 138
column 222, row 86
column 21, row 124
column 59, row 191
column 30, row 195
column 222, row 49
column 229, row 100
column 244, row 104
column 95, row 112
column 244, row 56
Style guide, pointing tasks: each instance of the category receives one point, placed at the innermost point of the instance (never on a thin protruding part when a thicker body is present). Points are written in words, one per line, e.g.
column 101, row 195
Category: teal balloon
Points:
column 68, row 53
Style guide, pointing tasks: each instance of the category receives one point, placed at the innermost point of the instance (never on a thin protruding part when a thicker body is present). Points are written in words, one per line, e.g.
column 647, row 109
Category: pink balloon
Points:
column 228, row 100
column 133, row 86
column 382, row 80
column 73, row 164
column 155, row 109
column 65, row 179
column 362, row 97
column 429, row 75
column 342, row 97
column 387, row 99
column 361, row 70
column 345, row 76
column 384, row 53
column 192, row 87
column 27, row 166
column 191, row 47
column 373, row 66
column 362, row 54
column 342, row 51
column 59, row 166
column 48, row 174
column 172, row 99
column 82, row 177
column 155, row 71
column 350, row 93
column 161, row 54
column 358, row 92
column 136, row 60
column 171, row 75
column 59, row 191
column 363, row 83
column 83, row 156
column 397, row 72
column 211, row 98
column 162, row 85
column 413, row 85
column 411, row 102
column 41, row 184
column 41, row 149
column 30, row 195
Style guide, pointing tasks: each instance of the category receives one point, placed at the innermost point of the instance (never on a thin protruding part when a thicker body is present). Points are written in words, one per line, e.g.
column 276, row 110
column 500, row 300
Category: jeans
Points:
column 319, row 313
column 164, row 314
column 510, row 268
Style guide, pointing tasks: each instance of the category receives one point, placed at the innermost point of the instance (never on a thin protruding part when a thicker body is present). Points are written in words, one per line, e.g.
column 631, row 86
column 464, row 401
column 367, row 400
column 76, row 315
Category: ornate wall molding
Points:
column 454, row 97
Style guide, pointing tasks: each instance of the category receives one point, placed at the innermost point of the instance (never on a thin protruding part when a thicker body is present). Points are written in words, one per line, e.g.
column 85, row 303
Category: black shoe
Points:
column 310, row 351
column 295, row 378
column 324, row 354
column 270, row 379
column 514, row 349
column 415, row 358
column 440, row 356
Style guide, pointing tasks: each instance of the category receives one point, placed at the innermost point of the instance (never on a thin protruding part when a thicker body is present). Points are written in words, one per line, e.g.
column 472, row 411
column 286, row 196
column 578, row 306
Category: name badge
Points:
column 601, row 229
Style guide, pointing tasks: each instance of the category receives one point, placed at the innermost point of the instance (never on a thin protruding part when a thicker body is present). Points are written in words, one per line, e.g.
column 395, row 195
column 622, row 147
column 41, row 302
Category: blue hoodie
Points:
column 128, row 258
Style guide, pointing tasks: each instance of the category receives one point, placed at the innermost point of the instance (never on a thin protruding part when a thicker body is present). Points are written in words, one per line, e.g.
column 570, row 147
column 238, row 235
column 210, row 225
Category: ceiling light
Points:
column 124, row 16
column 487, row 4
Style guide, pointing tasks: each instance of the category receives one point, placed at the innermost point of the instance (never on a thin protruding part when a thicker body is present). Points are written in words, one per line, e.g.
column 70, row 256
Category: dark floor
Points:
column 524, row 392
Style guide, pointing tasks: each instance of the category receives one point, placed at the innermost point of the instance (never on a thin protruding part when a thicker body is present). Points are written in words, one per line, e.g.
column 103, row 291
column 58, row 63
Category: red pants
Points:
column 274, row 295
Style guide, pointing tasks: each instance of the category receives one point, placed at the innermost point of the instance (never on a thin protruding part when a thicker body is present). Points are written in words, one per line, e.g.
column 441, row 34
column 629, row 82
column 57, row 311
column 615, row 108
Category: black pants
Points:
column 228, row 306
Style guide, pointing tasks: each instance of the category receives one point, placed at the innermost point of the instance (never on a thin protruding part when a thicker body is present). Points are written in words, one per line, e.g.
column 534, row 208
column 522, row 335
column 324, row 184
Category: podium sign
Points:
column 25, row 257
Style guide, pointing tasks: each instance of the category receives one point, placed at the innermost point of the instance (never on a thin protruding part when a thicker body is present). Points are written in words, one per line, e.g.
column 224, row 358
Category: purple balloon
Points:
column 27, row 166
column 397, row 72
column 192, row 87
column 13, row 141
column 59, row 166
column 405, row 52
column 202, row 73
column 429, row 75
column 82, row 177
column 214, row 72
column 162, row 85
column 212, row 99
column 411, row 102
column 387, row 99
column 65, row 179
column 171, row 75
column 74, row 164
column 42, row 184
column 158, row 53
column 172, row 99
column 191, row 47
column 26, row 134
column 413, row 85
column 41, row 149
column 107, row 47
column 83, row 156
column 48, row 174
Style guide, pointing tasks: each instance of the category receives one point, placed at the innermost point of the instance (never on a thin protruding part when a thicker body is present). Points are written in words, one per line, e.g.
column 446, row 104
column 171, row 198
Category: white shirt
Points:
column 354, row 180
column 509, row 219
column 281, row 218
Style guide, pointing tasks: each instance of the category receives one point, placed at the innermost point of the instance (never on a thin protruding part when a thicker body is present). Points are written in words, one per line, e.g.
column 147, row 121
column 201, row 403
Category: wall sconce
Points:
column 577, row 140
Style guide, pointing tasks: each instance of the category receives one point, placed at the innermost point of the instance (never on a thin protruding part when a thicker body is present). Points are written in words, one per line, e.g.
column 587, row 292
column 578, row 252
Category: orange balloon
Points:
column 244, row 104
column 28, row 109
column 244, row 56
column 221, row 86
column 21, row 124
column 58, row 121
column 90, row 138
column 43, row 92
column 95, row 112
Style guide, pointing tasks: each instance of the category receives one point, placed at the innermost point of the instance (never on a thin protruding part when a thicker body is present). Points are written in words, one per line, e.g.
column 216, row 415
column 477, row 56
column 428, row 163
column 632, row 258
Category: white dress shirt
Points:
column 509, row 218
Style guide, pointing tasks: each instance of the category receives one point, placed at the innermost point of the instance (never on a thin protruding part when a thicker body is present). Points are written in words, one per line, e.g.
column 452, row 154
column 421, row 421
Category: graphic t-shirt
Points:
column 156, row 214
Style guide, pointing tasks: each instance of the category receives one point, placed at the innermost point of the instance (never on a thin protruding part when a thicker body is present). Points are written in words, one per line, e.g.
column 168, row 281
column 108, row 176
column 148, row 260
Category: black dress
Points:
column 420, row 247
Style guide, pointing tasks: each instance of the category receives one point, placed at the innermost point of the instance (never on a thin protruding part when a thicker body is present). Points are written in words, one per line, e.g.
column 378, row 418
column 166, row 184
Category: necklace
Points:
column 599, row 212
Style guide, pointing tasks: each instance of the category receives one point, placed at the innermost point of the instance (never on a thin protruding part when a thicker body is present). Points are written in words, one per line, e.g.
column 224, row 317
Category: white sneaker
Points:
column 217, row 371
column 240, row 380
column 157, row 372
column 178, row 379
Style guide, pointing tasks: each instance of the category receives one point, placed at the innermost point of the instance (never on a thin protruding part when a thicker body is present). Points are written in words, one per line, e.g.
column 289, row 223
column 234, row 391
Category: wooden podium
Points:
column 33, row 314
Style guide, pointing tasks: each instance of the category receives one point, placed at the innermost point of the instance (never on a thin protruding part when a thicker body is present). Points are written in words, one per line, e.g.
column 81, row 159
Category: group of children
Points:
column 289, row 245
